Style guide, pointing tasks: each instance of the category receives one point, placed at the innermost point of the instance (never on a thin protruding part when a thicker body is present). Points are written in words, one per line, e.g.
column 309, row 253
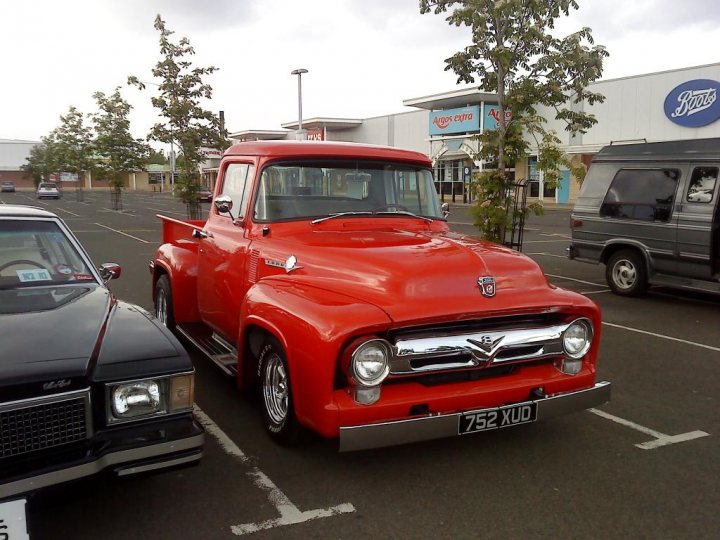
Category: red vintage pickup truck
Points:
column 326, row 275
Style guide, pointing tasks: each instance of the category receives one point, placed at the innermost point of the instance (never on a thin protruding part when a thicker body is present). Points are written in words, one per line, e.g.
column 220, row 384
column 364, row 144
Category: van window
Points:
column 642, row 194
column 702, row 184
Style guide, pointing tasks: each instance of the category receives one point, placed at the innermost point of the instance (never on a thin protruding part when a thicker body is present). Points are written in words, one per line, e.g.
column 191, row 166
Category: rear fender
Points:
column 312, row 325
column 181, row 266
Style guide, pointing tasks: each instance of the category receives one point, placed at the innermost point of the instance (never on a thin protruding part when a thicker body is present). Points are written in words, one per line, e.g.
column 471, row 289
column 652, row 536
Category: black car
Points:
column 87, row 383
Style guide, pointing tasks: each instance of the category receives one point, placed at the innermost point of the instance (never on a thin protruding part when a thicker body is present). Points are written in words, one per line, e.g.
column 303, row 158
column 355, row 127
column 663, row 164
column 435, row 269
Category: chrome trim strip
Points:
column 484, row 348
column 353, row 438
column 88, row 469
column 128, row 471
column 44, row 400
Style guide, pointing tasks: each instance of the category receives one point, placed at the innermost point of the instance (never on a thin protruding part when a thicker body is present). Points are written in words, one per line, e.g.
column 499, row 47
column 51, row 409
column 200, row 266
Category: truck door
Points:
column 222, row 280
column 697, row 235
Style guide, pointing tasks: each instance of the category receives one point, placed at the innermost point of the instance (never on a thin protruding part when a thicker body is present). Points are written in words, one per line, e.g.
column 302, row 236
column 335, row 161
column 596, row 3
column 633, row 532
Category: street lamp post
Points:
column 299, row 73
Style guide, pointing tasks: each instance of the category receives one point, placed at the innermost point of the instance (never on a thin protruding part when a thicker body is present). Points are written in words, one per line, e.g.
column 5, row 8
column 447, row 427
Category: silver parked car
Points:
column 48, row 189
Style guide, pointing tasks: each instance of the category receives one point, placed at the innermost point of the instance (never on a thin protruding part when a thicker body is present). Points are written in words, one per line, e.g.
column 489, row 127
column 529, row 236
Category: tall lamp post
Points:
column 299, row 73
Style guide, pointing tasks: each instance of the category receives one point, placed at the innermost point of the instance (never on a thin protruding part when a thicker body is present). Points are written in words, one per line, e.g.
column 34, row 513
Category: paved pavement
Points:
column 643, row 466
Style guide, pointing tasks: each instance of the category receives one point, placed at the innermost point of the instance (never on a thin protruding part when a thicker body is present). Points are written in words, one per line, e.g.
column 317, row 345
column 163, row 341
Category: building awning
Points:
column 331, row 124
column 451, row 100
column 259, row 135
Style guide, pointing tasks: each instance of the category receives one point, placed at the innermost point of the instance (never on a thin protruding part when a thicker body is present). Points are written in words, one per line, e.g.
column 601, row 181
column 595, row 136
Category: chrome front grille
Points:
column 37, row 424
column 422, row 354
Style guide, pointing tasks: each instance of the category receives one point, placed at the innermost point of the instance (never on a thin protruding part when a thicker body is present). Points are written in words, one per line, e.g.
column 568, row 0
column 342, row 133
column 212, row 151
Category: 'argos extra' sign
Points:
column 694, row 103
column 462, row 120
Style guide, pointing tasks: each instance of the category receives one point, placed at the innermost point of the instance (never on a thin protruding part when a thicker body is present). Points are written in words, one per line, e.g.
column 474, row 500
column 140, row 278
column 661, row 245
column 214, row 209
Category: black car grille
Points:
column 44, row 423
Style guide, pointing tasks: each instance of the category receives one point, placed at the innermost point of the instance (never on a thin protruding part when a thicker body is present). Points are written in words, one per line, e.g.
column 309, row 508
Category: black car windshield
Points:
column 38, row 253
column 312, row 189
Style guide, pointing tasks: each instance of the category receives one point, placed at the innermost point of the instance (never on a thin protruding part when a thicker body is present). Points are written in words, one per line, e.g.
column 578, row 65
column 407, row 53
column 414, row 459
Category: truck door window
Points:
column 642, row 194
column 235, row 185
column 702, row 185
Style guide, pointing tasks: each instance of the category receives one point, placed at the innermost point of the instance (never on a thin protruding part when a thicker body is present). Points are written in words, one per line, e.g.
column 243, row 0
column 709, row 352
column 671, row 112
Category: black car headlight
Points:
column 145, row 398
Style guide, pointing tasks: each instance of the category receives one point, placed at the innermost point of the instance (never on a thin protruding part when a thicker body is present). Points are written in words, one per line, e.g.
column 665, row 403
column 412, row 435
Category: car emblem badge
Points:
column 56, row 385
column 487, row 286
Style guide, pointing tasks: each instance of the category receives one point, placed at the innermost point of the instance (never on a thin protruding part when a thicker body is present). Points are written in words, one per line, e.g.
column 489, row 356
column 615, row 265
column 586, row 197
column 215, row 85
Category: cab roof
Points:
column 325, row 149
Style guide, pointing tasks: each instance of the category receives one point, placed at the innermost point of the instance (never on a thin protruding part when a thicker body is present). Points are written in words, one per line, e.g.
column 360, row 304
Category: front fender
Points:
column 312, row 325
column 181, row 265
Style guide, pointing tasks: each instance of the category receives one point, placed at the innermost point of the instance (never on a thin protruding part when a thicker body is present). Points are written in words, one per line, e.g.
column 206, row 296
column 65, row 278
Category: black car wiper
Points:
column 405, row 213
column 340, row 214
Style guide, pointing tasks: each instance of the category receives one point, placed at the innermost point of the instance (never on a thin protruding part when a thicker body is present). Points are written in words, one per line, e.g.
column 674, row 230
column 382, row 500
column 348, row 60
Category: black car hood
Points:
column 63, row 336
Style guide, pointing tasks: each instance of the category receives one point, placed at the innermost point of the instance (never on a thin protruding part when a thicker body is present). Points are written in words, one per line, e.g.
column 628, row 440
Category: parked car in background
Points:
column 650, row 213
column 7, row 187
column 327, row 276
column 48, row 190
column 88, row 383
column 205, row 195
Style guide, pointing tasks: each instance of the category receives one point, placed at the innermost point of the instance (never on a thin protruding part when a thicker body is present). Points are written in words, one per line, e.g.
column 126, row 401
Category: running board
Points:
column 211, row 345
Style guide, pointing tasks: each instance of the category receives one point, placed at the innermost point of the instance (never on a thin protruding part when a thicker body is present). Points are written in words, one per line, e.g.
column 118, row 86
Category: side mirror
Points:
column 109, row 271
column 445, row 207
column 224, row 204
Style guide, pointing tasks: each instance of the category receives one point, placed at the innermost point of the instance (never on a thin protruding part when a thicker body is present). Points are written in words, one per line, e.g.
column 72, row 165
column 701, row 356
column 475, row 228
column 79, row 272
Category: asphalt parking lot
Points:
column 643, row 466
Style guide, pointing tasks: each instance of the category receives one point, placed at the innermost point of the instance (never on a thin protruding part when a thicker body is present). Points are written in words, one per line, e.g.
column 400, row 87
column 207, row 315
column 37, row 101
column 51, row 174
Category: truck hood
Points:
column 412, row 275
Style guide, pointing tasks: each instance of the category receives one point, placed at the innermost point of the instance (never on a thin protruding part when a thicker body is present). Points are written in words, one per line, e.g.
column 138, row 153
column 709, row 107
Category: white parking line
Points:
column 68, row 212
column 661, row 336
column 289, row 513
column 166, row 211
column 548, row 254
column 124, row 234
column 661, row 439
column 544, row 241
column 596, row 292
column 577, row 280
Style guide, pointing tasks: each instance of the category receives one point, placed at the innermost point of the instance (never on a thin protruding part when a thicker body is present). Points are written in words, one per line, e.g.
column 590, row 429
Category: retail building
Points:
column 664, row 106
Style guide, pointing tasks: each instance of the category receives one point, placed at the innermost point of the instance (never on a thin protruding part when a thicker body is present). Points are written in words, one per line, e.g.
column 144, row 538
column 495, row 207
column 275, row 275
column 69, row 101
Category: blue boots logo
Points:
column 694, row 103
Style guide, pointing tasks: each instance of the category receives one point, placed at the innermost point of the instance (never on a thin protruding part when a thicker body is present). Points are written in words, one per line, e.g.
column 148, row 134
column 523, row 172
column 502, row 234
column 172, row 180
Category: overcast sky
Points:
column 364, row 56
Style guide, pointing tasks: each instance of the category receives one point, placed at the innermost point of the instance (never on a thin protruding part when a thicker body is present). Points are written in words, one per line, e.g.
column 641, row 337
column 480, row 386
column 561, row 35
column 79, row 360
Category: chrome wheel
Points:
column 624, row 274
column 276, row 391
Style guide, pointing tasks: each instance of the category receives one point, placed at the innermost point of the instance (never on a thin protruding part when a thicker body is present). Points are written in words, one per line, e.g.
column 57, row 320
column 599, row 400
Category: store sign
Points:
column 694, row 103
column 492, row 116
column 212, row 153
column 461, row 120
column 315, row 134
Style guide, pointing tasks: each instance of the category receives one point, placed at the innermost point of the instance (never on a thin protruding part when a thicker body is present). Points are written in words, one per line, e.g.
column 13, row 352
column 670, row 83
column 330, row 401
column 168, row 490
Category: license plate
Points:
column 13, row 525
column 488, row 419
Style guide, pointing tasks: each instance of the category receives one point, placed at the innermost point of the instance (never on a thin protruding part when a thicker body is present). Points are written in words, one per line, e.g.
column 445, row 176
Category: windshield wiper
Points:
column 405, row 213
column 340, row 214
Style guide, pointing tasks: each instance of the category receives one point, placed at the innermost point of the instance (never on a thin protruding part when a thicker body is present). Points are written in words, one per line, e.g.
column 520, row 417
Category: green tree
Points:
column 116, row 151
column 187, row 124
column 515, row 55
column 157, row 158
column 70, row 144
column 41, row 162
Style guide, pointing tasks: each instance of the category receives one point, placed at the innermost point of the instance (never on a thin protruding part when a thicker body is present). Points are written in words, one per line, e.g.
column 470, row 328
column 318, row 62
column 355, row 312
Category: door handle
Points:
column 197, row 233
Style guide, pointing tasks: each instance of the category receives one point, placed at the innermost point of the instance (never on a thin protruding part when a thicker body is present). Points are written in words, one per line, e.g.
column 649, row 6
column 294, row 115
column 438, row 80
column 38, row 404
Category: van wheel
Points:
column 163, row 303
column 625, row 273
column 277, row 402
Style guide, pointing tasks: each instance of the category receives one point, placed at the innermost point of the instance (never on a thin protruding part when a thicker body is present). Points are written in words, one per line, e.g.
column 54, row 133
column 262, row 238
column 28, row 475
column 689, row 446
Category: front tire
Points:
column 625, row 273
column 277, row 403
column 163, row 303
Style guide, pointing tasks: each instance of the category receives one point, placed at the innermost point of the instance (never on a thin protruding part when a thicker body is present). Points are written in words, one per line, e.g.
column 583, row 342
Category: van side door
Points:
column 696, row 235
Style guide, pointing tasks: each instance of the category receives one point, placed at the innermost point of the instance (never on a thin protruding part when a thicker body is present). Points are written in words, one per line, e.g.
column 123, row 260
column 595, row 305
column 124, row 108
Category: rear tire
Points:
column 163, row 303
column 625, row 273
column 278, row 406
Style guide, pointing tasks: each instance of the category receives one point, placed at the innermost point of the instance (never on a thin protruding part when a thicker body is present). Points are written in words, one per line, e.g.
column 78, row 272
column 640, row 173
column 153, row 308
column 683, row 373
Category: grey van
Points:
column 649, row 212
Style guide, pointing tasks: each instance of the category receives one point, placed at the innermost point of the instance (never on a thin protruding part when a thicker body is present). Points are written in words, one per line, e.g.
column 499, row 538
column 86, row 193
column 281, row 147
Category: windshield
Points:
column 316, row 189
column 36, row 253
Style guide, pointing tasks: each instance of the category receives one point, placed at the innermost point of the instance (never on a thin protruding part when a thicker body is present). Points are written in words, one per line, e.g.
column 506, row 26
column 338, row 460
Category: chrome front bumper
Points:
column 354, row 438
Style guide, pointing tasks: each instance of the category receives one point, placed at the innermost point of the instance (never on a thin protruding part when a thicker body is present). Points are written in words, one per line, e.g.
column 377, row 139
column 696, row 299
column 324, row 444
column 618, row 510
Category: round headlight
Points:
column 577, row 338
column 370, row 362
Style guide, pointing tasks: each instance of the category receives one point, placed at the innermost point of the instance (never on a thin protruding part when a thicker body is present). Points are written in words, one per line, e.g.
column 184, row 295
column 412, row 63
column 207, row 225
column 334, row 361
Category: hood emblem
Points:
column 56, row 385
column 487, row 286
